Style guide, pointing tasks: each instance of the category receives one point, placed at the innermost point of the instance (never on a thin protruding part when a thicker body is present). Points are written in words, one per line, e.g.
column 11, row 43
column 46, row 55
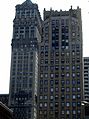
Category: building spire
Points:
column 29, row 1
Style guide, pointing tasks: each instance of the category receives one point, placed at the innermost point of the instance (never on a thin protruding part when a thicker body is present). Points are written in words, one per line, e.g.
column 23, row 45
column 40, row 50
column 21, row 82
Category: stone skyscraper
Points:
column 86, row 79
column 24, row 61
column 60, row 86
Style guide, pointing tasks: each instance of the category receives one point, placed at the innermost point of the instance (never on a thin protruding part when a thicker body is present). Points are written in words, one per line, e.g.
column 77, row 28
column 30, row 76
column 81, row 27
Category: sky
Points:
column 7, row 14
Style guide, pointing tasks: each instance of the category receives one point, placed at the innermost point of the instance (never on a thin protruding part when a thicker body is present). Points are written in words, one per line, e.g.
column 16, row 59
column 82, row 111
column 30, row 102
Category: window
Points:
column 51, row 75
column 78, row 89
column 74, row 104
column 67, row 104
column 51, row 82
column 78, row 74
column 62, row 112
column 56, row 82
column 73, row 34
column 67, row 74
column 79, row 111
column 78, row 104
column 56, row 89
column 56, row 75
column 62, row 75
column 62, row 97
column 73, row 74
column 41, row 75
column 51, row 68
column 41, row 90
column 78, row 67
column 45, row 97
column 46, row 75
column 41, row 82
column 62, row 54
column 41, row 104
column 51, row 89
column 45, row 89
column 74, row 112
column 41, row 61
column 45, row 104
column 56, row 61
column 42, row 47
column 46, row 61
column 78, row 60
column 62, row 104
column 62, row 61
column 67, row 89
column 62, row 67
column 51, row 112
column 45, row 82
column 51, row 97
column 46, row 68
column 56, row 97
column 73, row 89
column 41, row 97
column 40, row 112
column 52, row 61
column 67, row 82
column 67, row 67
column 46, row 47
column 62, row 82
column 67, row 112
column 56, row 67
column 62, row 21
column 73, row 67
column 51, row 105
column 67, row 96
column 78, row 96
column 73, row 96
column 46, row 53
column 62, row 89
column 73, row 82
column 56, row 104
column 57, row 53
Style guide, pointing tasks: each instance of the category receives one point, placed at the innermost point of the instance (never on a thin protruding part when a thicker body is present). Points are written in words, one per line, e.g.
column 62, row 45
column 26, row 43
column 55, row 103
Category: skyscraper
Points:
column 60, row 86
column 86, row 79
column 24, row 61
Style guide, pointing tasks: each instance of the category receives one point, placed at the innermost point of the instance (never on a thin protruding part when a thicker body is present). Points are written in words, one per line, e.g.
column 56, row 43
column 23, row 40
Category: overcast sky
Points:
column 7, row 13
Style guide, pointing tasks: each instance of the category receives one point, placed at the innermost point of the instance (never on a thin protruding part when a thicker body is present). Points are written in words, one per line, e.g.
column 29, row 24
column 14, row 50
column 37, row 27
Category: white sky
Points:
column 7, row 13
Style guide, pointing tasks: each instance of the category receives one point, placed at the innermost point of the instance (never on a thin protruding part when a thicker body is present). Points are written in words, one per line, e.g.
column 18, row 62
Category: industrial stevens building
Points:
column 46, row 64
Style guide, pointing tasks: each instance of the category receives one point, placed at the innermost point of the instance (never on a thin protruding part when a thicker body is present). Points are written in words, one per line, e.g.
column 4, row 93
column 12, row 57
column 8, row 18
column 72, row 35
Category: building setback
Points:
column 24, row 61
column 60, row 84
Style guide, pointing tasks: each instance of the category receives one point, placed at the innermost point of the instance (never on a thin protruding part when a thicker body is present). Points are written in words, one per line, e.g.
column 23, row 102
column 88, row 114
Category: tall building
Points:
column 86, row 79
column 24, row 61
column 86, row 87
column 60, row 86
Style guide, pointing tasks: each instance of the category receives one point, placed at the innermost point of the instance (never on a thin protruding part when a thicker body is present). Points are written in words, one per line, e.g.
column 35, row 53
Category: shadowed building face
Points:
column 24, row 61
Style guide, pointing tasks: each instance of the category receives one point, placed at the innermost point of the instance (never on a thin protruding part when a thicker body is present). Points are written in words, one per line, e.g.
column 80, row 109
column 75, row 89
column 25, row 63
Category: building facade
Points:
column 24, row 61
column 86, row 79
column 86, row 86
column 60, row 84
